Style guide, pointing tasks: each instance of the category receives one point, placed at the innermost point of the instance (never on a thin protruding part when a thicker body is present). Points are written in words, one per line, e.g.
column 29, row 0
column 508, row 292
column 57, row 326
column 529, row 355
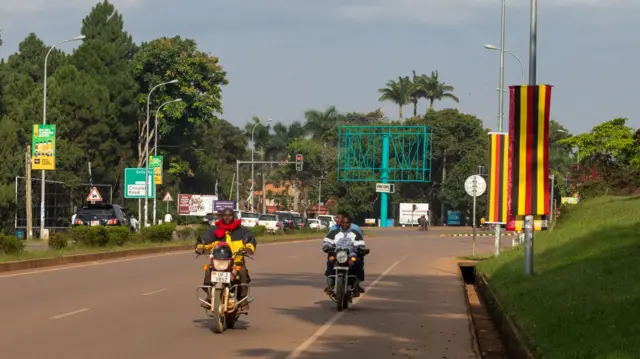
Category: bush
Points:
column 118, row 236
column 201, row 230
column 158, row 234
column 258, row 230
column 11, row 245
column 58, row 241
column 99, row 236
column 186, row 234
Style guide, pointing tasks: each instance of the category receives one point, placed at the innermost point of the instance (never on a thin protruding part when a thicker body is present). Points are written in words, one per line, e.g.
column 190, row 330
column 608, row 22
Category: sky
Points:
column 284, row 57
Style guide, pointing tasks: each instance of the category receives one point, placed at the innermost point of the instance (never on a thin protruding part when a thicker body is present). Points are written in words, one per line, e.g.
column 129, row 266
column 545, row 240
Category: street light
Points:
column 44, row 122
column 253, row 151
column 155, row 151
column 492, row 47
column 146, row 156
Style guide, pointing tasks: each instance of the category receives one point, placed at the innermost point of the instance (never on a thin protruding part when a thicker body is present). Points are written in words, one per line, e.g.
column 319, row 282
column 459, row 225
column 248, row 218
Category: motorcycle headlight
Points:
column 342, row 257
column 221, row 265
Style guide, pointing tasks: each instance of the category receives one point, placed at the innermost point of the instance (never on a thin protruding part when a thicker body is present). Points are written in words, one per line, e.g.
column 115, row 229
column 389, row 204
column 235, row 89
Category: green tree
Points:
column 432, row 89
column 399, row 92
column 320, row 123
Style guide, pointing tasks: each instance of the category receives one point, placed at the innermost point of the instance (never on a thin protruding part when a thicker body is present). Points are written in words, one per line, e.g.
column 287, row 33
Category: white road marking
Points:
column 130, row 259
column 312, row 339
column 155, row 291
column 70, row 313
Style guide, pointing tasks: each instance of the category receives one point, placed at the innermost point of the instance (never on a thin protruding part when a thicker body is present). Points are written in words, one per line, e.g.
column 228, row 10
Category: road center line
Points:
column 155, row 291
column 312, row 339
column 70, row 313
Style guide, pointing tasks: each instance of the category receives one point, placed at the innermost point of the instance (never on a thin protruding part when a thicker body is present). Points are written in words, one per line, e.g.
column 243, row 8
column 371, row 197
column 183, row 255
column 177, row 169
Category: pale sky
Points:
column 286, row 56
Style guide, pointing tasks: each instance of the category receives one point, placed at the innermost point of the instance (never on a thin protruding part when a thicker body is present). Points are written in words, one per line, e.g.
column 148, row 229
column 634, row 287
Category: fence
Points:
column 61, row 200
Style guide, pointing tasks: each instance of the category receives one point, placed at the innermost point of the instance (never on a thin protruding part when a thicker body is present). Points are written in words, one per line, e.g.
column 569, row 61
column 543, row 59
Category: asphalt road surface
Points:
column 147, row 307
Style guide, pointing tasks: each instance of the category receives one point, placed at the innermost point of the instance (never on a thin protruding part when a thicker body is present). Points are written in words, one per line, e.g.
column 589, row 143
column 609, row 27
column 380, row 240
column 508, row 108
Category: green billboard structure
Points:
column 386, row 155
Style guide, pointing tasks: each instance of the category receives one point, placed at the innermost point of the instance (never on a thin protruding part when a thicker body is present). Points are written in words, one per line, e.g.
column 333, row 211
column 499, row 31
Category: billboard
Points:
column 220, row 205
column 195, row 204
column 410, row 216
column 43, row 147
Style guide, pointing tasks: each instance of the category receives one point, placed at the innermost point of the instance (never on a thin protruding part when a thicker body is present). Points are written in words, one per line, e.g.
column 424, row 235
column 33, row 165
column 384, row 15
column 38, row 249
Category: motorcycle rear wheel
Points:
column 218, row 316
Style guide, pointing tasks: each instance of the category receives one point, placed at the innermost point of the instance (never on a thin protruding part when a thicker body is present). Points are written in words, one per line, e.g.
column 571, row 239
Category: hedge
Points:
column 110, row 236
column 11, row 245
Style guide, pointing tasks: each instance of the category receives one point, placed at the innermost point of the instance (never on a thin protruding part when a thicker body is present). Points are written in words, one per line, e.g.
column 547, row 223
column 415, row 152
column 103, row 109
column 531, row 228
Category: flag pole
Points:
column 528, row 219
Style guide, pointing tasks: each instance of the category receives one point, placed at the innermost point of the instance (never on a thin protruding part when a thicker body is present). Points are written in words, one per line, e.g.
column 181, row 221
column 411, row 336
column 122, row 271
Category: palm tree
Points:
column 398, row 92
column 417, row 92
column 432, row 89
column 318, row 123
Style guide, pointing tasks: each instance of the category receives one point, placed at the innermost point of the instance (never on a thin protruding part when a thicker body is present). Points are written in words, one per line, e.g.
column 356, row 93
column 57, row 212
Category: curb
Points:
column 510, row 234
column 512, row 336
column 93, row 257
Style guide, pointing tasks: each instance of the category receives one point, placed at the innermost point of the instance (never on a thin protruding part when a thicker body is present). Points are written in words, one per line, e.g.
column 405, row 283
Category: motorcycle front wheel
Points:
column 218, row 316
column 340, row 296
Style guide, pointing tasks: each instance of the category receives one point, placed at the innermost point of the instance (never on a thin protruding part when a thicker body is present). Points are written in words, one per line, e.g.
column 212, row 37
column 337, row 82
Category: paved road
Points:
column 146, row 307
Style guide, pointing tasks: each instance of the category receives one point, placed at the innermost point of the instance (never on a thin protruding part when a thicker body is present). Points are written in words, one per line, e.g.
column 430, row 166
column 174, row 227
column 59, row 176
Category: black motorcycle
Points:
column 345, row 284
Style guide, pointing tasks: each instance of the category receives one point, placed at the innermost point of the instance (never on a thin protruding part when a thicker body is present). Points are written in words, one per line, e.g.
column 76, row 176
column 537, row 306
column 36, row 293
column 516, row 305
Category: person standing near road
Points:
column 168, row 218
column 133, row 223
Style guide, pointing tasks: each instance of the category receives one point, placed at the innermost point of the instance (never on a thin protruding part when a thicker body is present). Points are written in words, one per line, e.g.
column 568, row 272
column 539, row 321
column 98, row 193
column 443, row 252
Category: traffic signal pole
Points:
column 298, row 162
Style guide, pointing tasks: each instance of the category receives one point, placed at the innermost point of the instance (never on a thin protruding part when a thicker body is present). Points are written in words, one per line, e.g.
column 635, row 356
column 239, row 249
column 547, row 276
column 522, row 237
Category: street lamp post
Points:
column 253, row 151
column 492, row 47
column 44, row 122
column 146, row 154
column 155, row 152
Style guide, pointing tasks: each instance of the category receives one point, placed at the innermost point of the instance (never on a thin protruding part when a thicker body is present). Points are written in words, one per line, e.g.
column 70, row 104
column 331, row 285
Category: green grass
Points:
column 584, row 298
column 74, row 250
column 477, row 257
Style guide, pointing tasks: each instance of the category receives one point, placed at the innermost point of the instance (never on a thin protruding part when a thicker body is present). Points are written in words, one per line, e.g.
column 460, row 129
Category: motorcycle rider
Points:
column 230, row 230
column 345, row 235
column 339, row 217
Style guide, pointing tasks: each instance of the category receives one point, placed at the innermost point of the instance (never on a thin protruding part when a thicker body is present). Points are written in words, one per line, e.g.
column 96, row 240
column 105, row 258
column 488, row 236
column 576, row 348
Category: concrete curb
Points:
column 509, row 234
column 513, row 339
column 93, row 257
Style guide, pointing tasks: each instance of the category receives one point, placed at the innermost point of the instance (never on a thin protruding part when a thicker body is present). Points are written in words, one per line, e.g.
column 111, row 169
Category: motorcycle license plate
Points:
column 95, row 223
column 220, row 277
column 344, row 268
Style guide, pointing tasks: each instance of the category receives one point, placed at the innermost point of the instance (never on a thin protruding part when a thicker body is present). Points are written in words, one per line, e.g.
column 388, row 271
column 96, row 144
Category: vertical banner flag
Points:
column 43, row 147
column 155, row 164
column 498, row 177
column 529, row 149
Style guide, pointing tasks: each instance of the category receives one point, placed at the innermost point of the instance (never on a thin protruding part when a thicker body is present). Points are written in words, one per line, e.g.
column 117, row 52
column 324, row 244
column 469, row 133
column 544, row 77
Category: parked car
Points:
column 287, row 219
column 317, row 224
column 249, row 219
column 271, row 222
column 331, row 220
column 299, row 221
column 101, row 215
column 210, row 218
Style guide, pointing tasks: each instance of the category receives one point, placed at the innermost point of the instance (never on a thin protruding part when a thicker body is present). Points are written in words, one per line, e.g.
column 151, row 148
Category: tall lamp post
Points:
column 146, row 154
column 44, row 122
column 155, row 152
column 253, row 151
column 492, row 47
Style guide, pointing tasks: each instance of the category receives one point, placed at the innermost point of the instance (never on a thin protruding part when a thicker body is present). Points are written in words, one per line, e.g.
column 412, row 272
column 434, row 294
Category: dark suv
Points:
column 101, row 215
column 287, row 220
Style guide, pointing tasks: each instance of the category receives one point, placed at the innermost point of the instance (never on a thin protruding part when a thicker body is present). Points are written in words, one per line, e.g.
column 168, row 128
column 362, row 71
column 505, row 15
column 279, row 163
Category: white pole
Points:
column 44, row 122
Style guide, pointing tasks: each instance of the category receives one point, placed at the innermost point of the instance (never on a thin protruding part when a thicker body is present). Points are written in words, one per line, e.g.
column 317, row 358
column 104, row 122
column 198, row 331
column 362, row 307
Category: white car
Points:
column 327, row 218
column 271, row 222
column 316, row 224
column 249, row 219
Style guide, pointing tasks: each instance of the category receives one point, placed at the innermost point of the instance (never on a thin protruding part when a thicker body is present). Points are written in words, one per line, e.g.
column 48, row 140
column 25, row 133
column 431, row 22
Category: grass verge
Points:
column 582, row 301
column 75, row 250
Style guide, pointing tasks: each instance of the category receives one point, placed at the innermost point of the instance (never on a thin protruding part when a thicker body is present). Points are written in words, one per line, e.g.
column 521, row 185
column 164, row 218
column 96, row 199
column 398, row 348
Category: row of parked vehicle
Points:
column 277, row 222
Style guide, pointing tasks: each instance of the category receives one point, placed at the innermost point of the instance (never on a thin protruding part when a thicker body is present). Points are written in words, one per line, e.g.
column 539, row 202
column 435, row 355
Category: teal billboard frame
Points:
column 384, row 154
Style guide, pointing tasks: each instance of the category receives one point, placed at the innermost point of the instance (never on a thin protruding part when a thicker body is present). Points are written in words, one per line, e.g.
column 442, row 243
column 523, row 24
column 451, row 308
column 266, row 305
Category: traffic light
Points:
column 299, row 162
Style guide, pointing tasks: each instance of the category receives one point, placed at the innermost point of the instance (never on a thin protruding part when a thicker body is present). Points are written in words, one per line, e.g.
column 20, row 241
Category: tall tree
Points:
column 105, row 56
column 319, row 123
column 431, row 88
column 398, row 92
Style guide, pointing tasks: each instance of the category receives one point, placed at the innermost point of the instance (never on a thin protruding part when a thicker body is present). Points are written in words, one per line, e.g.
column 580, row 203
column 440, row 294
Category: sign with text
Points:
column 195, row 204
column 155, row 165
column 220, row 205
column 134, row 183
column 43, row 147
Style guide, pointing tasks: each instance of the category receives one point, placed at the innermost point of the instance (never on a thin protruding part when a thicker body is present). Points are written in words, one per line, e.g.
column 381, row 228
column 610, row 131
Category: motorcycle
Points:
column 224, row 305
column 344, row 283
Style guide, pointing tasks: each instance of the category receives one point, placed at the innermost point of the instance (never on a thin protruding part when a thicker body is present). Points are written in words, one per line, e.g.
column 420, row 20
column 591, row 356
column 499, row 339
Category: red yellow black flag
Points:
column 498, row 177
column 529, row 149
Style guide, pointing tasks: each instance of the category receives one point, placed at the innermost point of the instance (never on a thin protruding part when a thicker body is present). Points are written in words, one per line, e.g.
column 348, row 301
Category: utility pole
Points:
column 264, row 193
column 28, row 204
